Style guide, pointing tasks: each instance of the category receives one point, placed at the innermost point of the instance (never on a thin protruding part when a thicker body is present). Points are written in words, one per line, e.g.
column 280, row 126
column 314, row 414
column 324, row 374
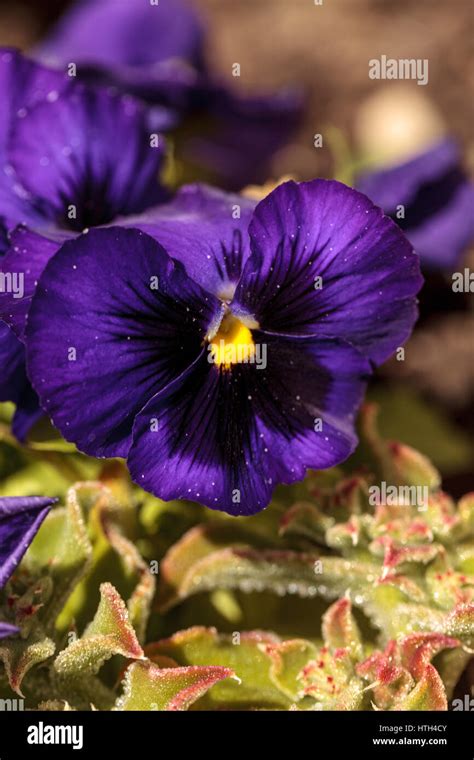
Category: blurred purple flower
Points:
column 6, row 629
column 71, row 156
column 147, row 362
column 20, row 519
column 438, row 200
column 126, row 33
column 156, row 51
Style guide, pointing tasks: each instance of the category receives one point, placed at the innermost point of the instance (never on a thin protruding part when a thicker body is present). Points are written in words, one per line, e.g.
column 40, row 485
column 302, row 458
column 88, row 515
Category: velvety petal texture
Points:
column 206, row 230
column 20, row 519
column 14, row 383
column 4, row 243
column 123, row 331
column 228, row 135
column 27, row 256
column 79, row 158
column 438, row 201
column 327, row 262
column 130, row 360
column 23, row 85
column 127, row 33
column 12, row 363
column 225, row 439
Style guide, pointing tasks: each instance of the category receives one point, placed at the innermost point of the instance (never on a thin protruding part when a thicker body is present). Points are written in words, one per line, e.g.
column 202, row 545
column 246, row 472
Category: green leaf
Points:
column 62, row 551
column 331, row 681
column 399, row 463
column 305, row 520
column 244, row 653
column 139, row 603
column 289, row 658
column 109, row 633
column 428, row 694
column 278, row 571
column 405, row 416
column 148, row 687
column 460, row 623
column 340, row 630
column 196, row 544
column 19, row 656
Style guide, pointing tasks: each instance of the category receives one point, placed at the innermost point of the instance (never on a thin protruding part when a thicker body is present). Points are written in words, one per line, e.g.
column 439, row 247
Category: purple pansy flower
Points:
column 156, row 51
column 71, row 156
column 232, row 356
column 128, row 33
column 20, row 519
column 438, row 200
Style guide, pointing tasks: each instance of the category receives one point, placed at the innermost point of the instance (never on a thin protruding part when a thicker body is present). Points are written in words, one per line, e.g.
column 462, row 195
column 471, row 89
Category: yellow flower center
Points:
column 232, row 343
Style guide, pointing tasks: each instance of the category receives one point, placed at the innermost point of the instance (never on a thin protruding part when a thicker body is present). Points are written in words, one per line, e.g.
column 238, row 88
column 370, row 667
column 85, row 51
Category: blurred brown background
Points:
column 324, row 48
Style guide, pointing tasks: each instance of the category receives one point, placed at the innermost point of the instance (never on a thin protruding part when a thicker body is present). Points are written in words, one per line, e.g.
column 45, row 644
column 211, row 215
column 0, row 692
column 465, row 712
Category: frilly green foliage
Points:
column 355, row 603
column 54, row 667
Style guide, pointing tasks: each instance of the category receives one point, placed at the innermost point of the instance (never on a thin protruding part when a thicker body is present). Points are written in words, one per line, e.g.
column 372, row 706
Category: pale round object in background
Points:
column 396, row 123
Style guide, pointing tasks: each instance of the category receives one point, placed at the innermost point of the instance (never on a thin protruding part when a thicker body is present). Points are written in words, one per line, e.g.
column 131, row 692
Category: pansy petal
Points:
column 14, row 383
column 437, row 198
column 129, row 32
column 84, row 157
column 242, row 134
column 326, row 261
column 443, row 237
column 12, row 364
column 27, row 412
column 27, row 256
column 6, row 629
column 226, row 438
column 15, row 202
column 206, row 230
column 126, row 321
column 23, row 84
column 20, row 518
column 4, row 242
column 400, row 183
